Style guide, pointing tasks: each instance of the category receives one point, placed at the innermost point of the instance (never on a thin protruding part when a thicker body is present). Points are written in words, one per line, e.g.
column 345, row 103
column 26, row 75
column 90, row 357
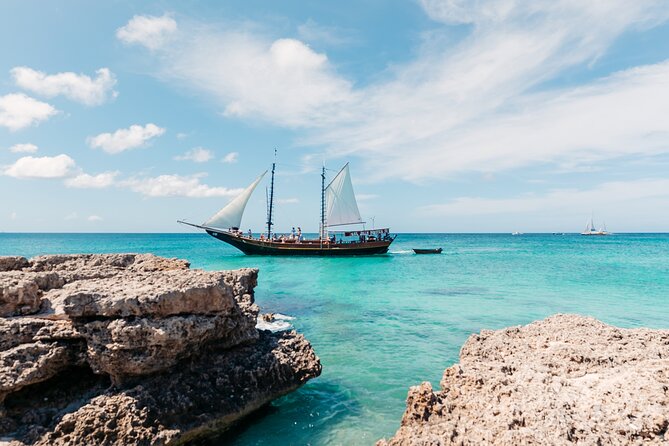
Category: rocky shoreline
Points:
column 563, row 380
column 134, row 349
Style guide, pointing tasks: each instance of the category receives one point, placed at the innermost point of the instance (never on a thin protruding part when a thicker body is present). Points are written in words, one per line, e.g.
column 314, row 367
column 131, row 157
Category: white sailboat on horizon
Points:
column 591, row 230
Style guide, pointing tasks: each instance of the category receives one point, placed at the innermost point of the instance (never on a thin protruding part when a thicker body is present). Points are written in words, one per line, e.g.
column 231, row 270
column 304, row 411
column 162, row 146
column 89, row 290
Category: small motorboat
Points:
column 427, row 251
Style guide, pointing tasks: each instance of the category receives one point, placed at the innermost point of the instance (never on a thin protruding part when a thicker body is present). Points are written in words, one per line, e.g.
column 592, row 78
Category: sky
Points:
column 455, row 115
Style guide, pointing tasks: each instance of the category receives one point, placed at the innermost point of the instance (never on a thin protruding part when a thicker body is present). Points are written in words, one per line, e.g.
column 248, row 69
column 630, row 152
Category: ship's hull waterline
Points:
column 306, row 248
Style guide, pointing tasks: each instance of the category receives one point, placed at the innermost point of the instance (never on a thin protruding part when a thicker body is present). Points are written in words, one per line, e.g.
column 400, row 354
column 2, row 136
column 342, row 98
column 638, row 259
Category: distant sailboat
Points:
column 591, row 230
column 338, row 208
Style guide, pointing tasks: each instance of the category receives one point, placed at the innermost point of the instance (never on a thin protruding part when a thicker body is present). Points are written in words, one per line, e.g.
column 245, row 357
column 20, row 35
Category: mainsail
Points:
column 590, row 227
column 342, row 209
column 231, row 215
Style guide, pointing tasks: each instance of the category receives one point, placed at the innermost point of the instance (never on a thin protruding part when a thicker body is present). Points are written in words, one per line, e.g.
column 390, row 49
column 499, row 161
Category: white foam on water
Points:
column 280, row 323
column 402, row 251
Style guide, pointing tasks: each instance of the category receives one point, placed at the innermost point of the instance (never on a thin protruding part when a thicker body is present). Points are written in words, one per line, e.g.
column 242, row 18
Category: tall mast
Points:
column 323, row 203
column 271, row 200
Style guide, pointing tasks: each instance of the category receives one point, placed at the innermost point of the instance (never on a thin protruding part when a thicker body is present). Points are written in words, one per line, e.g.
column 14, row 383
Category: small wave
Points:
column 278, row 322
column 402, row 251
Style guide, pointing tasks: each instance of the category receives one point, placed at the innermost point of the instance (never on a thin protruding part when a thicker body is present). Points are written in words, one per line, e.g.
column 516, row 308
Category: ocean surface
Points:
column 381, row 324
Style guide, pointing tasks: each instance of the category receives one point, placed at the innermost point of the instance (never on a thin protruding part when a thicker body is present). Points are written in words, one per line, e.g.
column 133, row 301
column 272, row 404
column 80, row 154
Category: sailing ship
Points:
column 591, row 230
column 338, row 208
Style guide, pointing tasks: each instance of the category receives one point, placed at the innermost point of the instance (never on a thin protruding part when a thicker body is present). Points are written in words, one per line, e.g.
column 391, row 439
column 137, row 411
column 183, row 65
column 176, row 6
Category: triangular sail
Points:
column 590, row 226
column 231, row 215
column 342, row 209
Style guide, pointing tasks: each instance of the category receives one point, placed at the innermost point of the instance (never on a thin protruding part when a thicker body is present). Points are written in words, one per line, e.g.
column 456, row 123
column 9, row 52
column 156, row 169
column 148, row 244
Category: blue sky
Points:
column 456, row 116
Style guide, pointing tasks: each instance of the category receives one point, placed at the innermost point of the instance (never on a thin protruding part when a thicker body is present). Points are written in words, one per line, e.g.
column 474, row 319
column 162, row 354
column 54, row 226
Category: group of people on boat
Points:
column 295, row 236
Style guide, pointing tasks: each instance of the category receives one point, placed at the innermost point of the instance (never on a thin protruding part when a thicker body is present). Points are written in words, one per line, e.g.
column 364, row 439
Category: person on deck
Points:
column 250, row 234
column 299, row 234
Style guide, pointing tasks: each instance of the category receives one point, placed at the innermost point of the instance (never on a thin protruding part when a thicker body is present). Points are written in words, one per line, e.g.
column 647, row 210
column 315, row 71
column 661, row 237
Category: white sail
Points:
column 231, row 215
column 590, row 226
column 342, row 209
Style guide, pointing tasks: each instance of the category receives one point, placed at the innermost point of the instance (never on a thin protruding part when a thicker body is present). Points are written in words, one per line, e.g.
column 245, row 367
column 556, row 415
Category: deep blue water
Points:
column 381, row 324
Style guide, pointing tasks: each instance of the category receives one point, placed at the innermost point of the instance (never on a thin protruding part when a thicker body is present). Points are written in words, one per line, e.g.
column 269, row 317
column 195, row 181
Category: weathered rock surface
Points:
column 134, row 349
column 13, row 263
column 33, row 350
column 202, row 399
column 563, row 380
column 21, row 292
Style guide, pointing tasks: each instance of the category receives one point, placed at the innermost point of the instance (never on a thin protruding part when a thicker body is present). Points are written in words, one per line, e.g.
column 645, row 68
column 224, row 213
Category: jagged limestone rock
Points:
column 566, row 379
column 135, row 349
column 13, row 263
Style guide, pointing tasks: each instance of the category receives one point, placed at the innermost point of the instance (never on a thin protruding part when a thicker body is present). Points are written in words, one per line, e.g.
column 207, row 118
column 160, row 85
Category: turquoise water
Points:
column 381, row 324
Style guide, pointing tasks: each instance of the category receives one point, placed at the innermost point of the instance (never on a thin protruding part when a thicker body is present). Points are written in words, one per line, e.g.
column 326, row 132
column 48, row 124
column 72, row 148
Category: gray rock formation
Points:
column 563, row 380
column 135, row 349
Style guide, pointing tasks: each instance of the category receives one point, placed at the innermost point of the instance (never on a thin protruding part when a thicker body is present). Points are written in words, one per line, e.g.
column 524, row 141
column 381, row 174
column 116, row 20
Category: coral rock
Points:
column 202, row 396
column 21, row 292
column 566, row 379
column 134, row 349
column 34, row 350
column 124, row 348
column 13, row 263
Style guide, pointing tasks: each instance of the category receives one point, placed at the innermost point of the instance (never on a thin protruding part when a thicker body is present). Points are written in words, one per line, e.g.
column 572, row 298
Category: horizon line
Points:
column 279, row 232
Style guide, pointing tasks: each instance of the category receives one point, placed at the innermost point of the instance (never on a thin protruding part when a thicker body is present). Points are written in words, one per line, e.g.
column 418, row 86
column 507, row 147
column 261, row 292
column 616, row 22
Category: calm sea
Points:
column 381, row 324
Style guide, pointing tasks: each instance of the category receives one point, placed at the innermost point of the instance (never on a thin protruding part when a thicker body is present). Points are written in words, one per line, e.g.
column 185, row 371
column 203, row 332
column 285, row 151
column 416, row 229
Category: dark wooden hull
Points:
column 306, row 248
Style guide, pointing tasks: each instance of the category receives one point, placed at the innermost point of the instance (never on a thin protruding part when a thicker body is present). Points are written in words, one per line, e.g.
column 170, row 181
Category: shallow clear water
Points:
column 381, row 324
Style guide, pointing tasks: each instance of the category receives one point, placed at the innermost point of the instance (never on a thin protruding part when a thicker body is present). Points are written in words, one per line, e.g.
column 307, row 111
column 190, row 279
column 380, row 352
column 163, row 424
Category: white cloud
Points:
column 365, row 197
column 616, row 116
column 557, row 200
column 58, row 166
column 18, row 111
column 477, row 104
column 197, row 155
column 311, row 31
column 23, row 148
column 86, row 181
column 77, row 87
column 477, row 11
column 566, row 208
column 230, row 157
column 288, row 200
column 177, row 186
column 474, row 105
column 125, row 139
column 149, row 31
column 283, row 81
column 75, row 216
